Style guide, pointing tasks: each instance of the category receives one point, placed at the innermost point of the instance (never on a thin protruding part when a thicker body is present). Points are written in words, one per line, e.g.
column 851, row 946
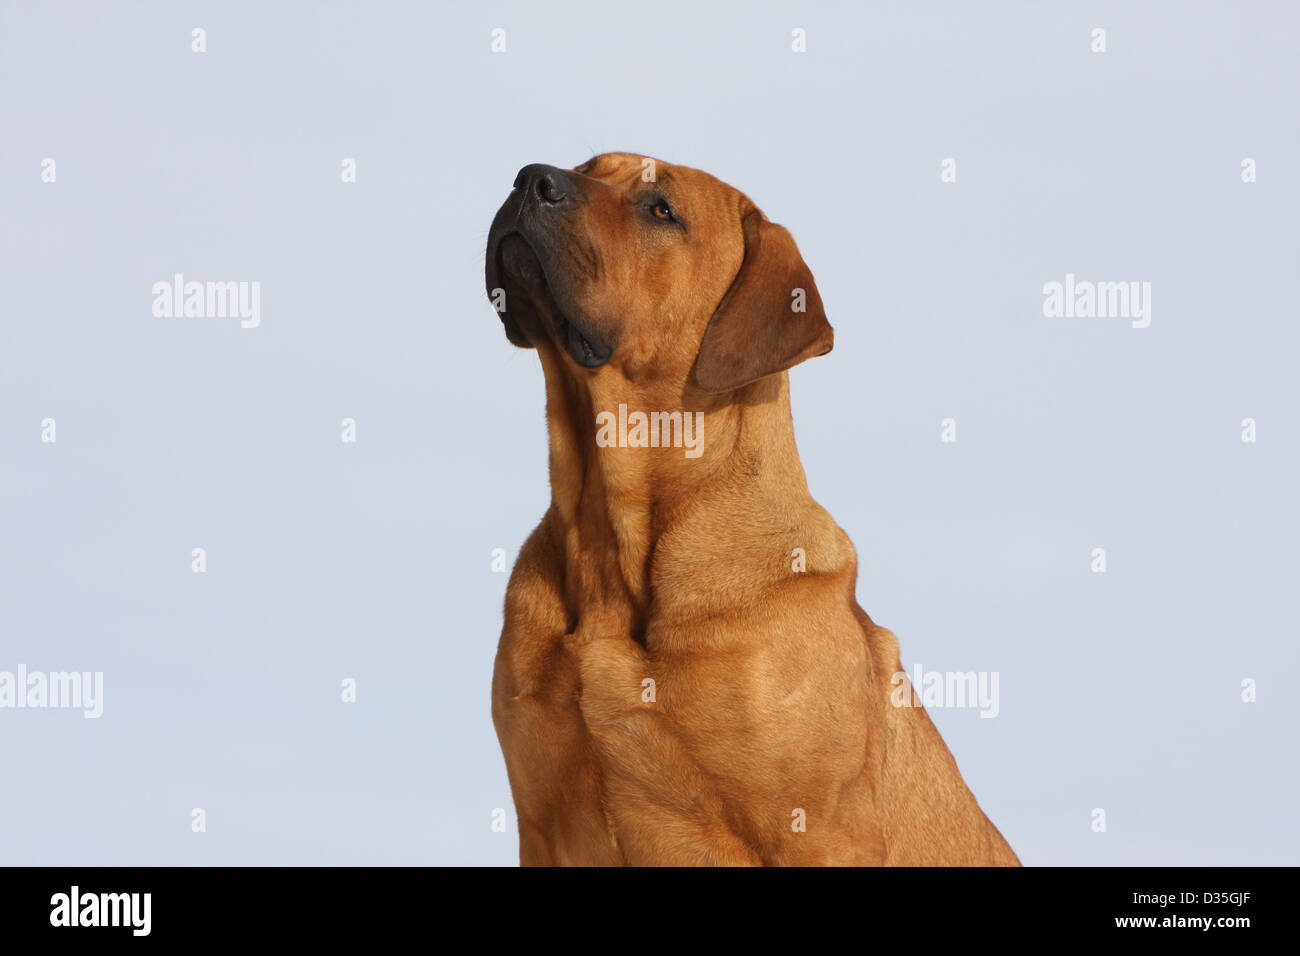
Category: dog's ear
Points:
column 770, row 319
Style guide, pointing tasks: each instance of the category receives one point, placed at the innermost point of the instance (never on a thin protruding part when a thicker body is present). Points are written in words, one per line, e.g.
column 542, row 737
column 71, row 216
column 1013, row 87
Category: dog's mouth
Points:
column 587, row 352
column 517, row 260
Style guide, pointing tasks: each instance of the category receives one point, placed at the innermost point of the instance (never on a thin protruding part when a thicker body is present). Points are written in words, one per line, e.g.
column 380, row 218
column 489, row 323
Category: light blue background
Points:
column 372, row 561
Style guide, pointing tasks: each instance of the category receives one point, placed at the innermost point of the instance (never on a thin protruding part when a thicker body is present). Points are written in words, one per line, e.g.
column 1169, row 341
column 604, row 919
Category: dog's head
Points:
column 653, row 270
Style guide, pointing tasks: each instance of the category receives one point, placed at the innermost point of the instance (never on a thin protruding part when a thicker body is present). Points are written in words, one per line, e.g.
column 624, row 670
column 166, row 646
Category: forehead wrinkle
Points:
column 626, row 167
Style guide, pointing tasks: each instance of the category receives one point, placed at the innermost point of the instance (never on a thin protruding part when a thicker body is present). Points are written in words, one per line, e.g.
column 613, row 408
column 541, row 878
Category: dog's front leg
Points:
column 662, row 806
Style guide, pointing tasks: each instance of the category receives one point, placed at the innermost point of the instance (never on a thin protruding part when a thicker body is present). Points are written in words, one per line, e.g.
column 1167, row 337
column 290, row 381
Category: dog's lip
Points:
column 583, row 350
column 514, row 243
column 586, row 348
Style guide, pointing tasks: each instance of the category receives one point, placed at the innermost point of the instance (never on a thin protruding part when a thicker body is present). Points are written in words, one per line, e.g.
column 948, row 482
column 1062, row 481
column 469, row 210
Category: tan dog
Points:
column 668, row 690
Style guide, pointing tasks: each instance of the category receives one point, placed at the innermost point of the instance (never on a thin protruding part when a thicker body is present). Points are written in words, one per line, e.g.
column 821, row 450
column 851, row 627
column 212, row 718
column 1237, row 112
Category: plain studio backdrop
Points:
column 371, row 561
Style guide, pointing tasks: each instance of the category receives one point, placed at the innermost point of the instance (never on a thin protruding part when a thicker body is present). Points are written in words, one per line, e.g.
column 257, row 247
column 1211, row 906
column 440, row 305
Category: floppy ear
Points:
column 770, row 319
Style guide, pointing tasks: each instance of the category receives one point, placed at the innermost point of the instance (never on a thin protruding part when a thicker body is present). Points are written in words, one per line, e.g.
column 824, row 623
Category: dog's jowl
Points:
column 670, row 687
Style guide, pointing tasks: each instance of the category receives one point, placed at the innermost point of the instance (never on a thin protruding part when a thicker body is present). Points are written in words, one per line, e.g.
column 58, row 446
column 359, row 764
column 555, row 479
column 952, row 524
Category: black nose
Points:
column 546, row 183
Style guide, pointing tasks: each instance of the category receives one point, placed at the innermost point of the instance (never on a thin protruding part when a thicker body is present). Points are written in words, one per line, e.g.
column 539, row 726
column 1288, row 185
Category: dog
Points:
column 671, row 686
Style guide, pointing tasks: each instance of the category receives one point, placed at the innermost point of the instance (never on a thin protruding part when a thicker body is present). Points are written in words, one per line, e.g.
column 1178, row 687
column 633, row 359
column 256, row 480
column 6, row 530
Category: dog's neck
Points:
column 613, row 504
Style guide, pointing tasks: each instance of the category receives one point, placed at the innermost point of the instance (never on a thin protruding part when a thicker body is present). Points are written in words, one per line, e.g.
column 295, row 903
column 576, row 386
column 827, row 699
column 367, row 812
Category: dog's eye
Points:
column 662, row 211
